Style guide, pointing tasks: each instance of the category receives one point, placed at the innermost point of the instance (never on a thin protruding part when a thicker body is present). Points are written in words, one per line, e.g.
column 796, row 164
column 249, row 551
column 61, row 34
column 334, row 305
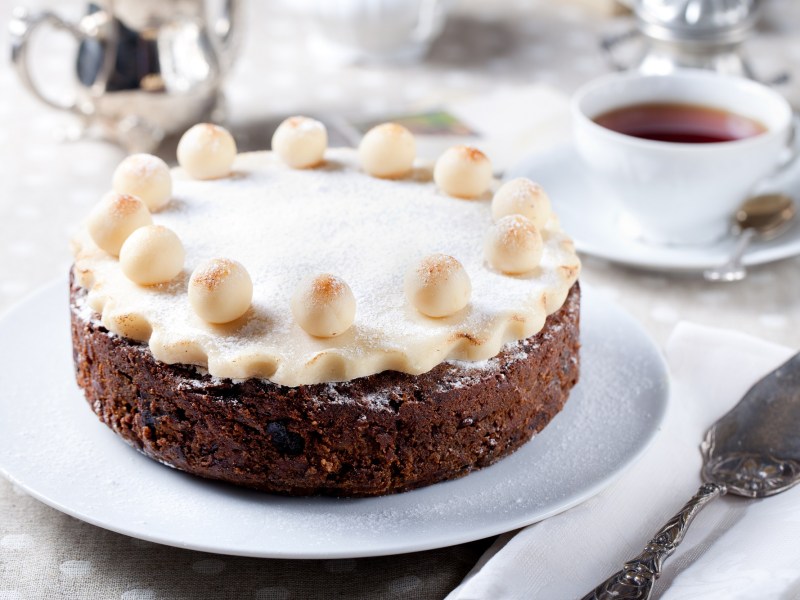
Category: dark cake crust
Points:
column 374, row 435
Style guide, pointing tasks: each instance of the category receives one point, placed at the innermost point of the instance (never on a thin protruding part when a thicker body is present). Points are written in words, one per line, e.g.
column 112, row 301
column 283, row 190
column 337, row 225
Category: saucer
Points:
column 594, row 220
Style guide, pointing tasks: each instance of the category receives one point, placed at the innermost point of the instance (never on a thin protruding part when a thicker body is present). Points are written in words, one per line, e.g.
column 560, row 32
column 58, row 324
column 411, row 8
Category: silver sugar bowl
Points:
column 143, row 69
column 699, row 34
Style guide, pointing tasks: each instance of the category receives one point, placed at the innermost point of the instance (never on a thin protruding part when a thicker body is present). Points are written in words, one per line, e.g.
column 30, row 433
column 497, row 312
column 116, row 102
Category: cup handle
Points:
column 792, row 153
column 784, row 171
column 21, row 27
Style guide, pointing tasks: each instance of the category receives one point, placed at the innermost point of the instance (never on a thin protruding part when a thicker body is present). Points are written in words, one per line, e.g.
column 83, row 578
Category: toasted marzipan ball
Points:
column 300, row 142
column 151, row 254
column 207, row 151
column 463, row 172
column 145, row 176
column 514, row 245
column 220, row 290
column 522, row 196
column 387, row 151
column 324, row 305
column 438, row 286
column 114, row 218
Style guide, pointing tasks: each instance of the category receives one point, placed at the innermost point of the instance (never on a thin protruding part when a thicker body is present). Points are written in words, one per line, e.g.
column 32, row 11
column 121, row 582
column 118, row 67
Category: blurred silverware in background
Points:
column 143, row 69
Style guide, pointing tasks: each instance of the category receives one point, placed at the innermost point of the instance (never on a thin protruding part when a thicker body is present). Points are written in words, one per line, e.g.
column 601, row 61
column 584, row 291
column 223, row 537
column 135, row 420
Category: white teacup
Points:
column 680, row 193
column 376, row 31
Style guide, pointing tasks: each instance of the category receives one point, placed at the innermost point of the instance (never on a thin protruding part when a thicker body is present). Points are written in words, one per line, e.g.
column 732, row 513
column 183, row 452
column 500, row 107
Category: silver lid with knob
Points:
column 703, row 22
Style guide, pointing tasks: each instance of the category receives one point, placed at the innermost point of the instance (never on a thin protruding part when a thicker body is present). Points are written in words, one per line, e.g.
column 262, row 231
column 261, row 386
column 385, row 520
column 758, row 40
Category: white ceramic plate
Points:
column 593, row 220
column 53, row 446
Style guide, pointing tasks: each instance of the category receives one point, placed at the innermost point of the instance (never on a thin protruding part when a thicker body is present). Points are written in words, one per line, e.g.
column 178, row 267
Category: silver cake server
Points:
column 752, row 451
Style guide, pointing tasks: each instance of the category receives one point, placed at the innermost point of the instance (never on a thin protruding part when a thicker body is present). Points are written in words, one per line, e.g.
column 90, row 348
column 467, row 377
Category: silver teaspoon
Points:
column 765, row 216
column 752, row 451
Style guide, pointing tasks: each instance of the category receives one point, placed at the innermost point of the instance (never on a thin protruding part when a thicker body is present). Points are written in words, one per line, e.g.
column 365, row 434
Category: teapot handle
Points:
column 21, row 27
column 226, row 32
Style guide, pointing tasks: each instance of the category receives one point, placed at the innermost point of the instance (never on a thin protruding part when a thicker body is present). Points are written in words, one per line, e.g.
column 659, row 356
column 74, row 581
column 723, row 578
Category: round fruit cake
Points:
column 319, row 320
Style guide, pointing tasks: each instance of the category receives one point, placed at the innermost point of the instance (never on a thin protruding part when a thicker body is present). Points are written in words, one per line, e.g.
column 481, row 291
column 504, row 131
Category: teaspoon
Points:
column 765, row 216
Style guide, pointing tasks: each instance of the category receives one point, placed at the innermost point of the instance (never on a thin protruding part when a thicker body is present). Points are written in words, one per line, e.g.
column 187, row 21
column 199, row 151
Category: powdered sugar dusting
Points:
column 84, row 312
column 283, row 225
column 143, row 165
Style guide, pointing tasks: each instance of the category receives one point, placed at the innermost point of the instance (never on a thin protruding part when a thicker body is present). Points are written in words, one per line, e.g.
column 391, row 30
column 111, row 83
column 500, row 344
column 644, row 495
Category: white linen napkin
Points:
column 735, row 549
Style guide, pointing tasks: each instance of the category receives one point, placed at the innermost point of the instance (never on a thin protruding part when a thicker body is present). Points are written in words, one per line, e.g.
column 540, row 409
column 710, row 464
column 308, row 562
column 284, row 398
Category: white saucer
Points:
column 593, row 220
column 53, row 446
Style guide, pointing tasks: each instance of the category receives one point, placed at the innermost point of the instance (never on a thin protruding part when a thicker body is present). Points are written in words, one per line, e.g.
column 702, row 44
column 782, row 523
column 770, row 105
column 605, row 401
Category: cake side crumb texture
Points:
column 373, row 435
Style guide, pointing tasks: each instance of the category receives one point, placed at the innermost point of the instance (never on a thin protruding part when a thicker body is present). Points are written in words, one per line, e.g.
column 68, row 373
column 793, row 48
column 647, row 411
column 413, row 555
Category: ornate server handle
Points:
column 635, row 580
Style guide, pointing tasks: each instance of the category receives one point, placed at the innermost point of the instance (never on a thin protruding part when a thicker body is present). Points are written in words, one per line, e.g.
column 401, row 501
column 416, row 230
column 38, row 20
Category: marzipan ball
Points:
column 300, row 142
column 115, row 218
column 145, row 176
column 207, row 151
column 514, row 245
column 438, row 286
column 522, row 196
column 387, row 151
column 220, row 290
column 151, row 254
column 463, row 172
column 324, row 305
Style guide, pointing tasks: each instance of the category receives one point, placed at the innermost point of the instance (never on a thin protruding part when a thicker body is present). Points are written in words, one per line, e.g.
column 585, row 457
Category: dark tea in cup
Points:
column 625, row 129
column 680, row 123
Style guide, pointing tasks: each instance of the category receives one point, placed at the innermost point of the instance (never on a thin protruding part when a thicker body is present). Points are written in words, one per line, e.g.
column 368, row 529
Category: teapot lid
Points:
column 701, row 21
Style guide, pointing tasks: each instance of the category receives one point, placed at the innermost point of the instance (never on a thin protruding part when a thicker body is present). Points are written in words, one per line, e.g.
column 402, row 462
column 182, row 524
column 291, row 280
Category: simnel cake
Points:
column 323, row 321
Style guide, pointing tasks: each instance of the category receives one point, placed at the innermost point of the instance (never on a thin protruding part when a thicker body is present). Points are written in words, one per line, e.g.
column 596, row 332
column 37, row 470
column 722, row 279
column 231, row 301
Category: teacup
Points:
column 376, row 31
column 680, row 193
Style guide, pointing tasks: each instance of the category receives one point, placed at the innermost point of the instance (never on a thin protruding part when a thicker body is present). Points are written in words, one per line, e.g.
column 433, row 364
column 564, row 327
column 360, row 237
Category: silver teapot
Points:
column 144, row 68
column 697, row 34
